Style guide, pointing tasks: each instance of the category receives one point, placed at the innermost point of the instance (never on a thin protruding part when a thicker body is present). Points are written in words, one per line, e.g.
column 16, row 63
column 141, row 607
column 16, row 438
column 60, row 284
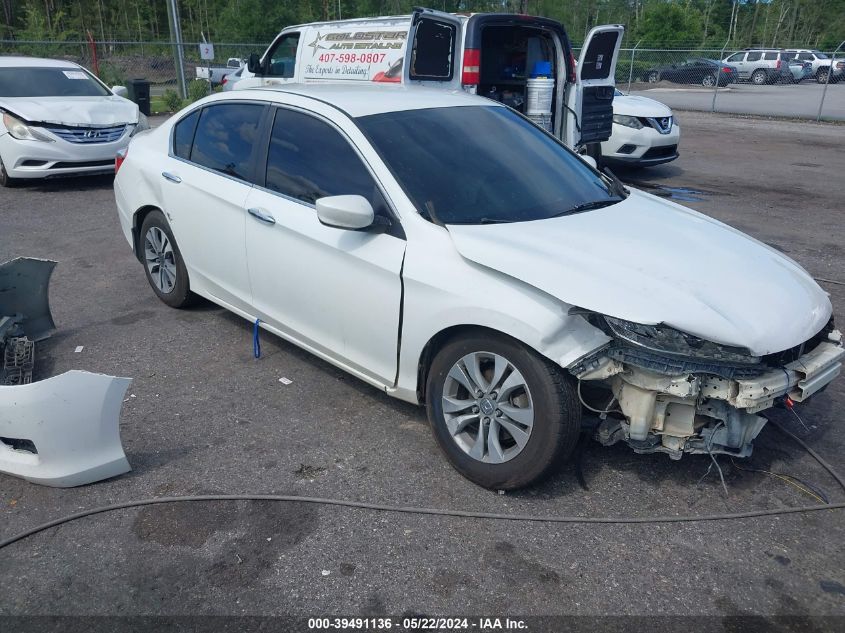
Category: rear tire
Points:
column 653, row 77
column 709, row 81
column 163, row 263
column 821, row 76
column 521, row 422
column 759, row 78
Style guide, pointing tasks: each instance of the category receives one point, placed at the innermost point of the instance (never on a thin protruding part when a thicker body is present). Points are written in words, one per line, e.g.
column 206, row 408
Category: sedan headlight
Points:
column 628, row 121
column 142, row 124
column 667, row 340
column 21, row 131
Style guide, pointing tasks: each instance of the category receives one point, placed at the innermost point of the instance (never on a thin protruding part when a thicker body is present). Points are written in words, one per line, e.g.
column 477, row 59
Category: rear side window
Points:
column 308, row 159
column 434, row 51
column 183, row 135
column 225, row 136
column 753, row 57
column 770, row 56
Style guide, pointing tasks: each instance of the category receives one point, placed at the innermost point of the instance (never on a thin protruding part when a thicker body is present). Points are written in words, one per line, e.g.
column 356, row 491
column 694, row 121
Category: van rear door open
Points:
column 434, row 49
column 589, row 101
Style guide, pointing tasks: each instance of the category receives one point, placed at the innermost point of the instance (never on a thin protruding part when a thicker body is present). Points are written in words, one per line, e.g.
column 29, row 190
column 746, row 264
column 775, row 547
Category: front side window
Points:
column 282, row 62
column 456, row 171
column 49, row 82
column 225, row 136
column 309, row 159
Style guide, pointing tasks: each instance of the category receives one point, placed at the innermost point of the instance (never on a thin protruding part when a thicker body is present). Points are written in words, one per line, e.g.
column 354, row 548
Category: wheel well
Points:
column 437, row 342
column 137, row 221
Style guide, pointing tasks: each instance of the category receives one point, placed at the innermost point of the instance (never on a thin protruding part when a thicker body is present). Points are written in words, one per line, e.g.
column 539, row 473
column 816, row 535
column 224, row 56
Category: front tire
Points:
column 504, row 416
column 163, row 263
column 5, row 179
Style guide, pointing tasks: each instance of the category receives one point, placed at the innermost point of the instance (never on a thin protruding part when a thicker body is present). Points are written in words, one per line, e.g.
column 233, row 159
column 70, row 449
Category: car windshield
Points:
column 49, row 82
column 484, row 164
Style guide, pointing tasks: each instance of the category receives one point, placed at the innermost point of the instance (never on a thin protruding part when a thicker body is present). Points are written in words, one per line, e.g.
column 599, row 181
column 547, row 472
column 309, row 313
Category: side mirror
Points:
column 589, row 160
column 345, row 212
column 120, row 91
column 253, row 64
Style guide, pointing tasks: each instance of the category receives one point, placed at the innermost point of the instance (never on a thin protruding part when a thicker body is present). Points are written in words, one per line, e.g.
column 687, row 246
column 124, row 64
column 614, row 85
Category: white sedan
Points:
column 58, row 119
column 448, row 252
column 645, row 133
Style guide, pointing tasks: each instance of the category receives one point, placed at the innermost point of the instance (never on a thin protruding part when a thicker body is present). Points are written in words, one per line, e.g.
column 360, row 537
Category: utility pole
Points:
column 176, row 40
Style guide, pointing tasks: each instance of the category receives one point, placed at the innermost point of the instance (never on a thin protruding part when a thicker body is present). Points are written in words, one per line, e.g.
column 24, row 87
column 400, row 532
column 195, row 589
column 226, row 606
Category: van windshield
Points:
column 484, row 164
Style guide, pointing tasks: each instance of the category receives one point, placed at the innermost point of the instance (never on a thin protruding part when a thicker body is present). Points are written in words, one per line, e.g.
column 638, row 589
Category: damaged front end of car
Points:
column 675, row 393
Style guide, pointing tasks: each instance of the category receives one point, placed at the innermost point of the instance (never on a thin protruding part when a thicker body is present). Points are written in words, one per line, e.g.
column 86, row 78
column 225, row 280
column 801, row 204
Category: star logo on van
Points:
column 315, row 45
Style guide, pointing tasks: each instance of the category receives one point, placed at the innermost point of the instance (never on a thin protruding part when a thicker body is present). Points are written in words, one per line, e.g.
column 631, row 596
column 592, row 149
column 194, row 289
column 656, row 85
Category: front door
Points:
column 335, row 291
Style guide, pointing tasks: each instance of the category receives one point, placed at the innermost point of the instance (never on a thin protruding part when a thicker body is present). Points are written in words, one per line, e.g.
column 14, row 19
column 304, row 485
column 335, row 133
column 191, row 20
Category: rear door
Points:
column 589, row 100
column 434, row 49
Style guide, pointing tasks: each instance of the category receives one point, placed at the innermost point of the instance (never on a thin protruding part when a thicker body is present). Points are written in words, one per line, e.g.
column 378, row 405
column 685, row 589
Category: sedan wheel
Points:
column 163, row 263
column 709, row 81
column 653, row 77
column 5, row 181
column 503, row 415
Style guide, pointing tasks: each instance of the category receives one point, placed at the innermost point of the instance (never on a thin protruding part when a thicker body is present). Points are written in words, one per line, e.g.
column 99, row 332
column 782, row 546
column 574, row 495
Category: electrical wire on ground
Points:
column 453, row 513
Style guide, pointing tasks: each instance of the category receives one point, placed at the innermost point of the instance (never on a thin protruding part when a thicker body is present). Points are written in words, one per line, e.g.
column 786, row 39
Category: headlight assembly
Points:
column 628, row 121
column 21, row 131
column 667, row 340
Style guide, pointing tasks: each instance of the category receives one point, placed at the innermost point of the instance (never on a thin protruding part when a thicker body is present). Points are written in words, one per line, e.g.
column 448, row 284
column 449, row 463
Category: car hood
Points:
column 73, row 111
column 651, row 261
column 640, row 106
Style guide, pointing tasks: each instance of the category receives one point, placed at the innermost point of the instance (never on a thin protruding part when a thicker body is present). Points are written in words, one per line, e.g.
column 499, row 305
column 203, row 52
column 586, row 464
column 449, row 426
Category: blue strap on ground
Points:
column 256, row 343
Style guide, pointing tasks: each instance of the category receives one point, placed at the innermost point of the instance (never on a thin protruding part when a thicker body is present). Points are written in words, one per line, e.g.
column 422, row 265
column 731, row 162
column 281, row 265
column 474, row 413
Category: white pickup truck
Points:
column 215, row 74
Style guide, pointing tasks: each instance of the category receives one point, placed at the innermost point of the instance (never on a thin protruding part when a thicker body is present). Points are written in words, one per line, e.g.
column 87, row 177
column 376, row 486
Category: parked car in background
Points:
column 59, row 119
column 761, row 65
column 800, row 70
column 697, row 70
column 645, row 133
column 216, row 75
column 442, row 248
column 819, row 64
column 230, row 80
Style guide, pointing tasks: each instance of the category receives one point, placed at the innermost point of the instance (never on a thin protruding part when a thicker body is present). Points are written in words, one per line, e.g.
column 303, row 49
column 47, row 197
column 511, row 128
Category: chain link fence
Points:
column 682, row 78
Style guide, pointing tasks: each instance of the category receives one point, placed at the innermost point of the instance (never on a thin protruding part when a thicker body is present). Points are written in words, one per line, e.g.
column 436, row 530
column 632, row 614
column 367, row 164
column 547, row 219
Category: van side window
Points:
column 225, row 135
column 282, row 62
column 309, row 159
column 183, row 134
column 434, row 51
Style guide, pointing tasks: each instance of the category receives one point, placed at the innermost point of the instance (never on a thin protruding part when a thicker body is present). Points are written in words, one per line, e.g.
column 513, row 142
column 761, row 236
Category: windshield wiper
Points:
column 589, row 206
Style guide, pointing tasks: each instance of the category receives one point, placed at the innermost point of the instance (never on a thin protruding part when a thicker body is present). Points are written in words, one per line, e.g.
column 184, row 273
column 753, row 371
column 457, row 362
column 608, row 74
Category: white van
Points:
column 523, row 61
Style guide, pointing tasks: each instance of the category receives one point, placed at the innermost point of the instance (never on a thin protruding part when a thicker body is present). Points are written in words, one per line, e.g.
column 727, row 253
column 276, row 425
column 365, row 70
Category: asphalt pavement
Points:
column 782, row 100
column 203, row 416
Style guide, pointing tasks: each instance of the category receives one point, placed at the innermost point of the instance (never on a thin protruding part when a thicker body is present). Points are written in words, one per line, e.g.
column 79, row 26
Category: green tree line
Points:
column 699, row 23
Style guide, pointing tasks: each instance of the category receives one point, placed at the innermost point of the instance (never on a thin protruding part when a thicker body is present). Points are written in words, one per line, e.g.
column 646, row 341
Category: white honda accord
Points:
column 445, row 250
column 57, row 119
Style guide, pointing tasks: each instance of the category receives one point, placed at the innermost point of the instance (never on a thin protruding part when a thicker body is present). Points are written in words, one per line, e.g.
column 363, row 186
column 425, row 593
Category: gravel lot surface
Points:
column 205, row 417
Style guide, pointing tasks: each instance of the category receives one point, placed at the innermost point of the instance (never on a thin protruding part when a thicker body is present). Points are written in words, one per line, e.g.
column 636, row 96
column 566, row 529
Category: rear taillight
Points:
column 778, row 66
column 119, row 158
column 726, row 70
column 224, row 80
column 472, row 66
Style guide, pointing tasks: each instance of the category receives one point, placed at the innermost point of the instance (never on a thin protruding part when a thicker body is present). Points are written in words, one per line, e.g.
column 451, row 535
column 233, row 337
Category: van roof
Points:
column 359, row 100
column 352, row 21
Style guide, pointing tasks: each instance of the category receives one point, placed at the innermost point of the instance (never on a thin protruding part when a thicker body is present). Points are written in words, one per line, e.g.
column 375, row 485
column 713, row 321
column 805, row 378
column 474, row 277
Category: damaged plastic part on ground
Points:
column 62, row 431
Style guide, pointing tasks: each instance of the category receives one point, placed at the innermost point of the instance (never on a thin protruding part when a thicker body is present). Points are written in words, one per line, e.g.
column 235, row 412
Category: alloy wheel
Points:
column 709, row 81
column 487, row 407
column 160, row 259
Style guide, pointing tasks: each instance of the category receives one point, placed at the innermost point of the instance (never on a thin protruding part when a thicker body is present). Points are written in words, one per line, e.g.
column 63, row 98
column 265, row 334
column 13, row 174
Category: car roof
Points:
column 368, row 98
column 12, row 61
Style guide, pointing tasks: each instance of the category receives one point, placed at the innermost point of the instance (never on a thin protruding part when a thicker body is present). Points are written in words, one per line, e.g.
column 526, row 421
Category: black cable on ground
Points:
column 452, row 513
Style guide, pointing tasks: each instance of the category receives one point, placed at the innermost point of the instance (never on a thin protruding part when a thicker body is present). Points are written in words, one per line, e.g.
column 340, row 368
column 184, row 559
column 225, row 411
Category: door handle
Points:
column 171, row 177
column 261, row 216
